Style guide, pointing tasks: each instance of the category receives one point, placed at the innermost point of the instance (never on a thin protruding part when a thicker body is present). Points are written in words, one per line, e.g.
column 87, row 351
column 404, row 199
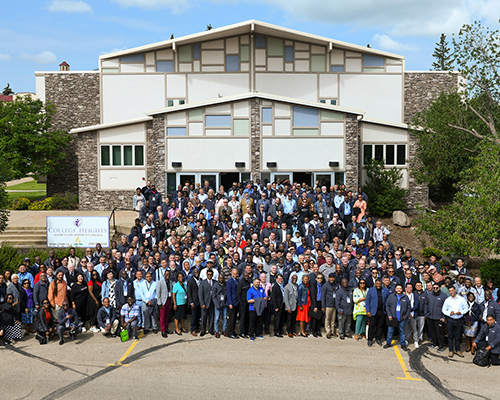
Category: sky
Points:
column 37, row 35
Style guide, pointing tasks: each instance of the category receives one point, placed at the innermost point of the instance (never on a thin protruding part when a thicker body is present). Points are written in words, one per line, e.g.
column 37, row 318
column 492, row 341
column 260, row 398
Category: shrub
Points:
column 21, row 203
column 11, row 257
column 382, row 189
column 45, row 204
column 66, row 201
column 428, row 251
column 491, row 270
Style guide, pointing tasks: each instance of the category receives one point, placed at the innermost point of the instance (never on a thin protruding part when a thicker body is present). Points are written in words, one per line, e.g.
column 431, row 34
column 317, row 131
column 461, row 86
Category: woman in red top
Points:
column 304, row 303
column 94, row 299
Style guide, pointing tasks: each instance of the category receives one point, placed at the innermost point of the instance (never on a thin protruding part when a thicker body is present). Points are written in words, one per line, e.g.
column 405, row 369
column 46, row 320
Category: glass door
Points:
column 280, row 177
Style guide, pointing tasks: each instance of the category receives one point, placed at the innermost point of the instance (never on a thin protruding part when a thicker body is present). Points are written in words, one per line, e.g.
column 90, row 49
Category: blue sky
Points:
column 37, row 35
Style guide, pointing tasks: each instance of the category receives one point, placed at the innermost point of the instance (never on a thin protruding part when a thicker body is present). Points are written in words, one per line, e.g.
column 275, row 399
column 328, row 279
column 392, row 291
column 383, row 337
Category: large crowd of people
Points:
column 279, row 257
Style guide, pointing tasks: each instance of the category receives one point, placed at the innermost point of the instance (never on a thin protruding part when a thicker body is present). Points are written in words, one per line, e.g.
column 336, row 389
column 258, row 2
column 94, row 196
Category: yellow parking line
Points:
column 127, row 353
column 405, row 370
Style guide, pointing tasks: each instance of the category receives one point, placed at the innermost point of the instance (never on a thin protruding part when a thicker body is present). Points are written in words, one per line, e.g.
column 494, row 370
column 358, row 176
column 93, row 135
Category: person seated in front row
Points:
column 106, row 318
column 67, row 321
column 45, row 324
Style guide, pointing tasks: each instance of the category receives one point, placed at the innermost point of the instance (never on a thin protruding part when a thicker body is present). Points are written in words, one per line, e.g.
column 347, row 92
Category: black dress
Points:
column 92, row 308
column 79, row 296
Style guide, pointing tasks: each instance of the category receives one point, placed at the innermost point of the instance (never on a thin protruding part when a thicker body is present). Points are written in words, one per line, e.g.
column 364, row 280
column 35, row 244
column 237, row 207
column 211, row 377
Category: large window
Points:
column 390, row 154
column 122, row 155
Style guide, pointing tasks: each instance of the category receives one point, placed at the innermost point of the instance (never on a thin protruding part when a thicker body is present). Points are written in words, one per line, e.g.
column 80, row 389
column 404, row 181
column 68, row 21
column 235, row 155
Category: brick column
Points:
column 155, row 134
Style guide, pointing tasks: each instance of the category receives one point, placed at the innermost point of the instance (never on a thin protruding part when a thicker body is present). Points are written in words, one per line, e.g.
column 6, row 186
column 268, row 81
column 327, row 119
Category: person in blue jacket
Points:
column 397, row 308
column 375, row 302
column 489, row 338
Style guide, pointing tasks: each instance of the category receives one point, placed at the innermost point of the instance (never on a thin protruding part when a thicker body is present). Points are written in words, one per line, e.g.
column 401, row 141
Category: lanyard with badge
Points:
column 108, row 320
column 148, row 294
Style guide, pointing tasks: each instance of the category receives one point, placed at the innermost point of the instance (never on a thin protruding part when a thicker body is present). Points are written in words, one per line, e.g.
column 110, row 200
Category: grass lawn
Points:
column 29, row 195
column 32, row 185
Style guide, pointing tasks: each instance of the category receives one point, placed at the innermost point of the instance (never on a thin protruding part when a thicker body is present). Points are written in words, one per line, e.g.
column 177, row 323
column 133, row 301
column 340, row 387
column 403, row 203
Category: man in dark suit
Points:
column 279, row 306
column 124, row 288
column 315, row 294
column 207, row 306
column 409, row 278
column 194, row 302
column 282, row 232
column 232, row 303
column 241, row 293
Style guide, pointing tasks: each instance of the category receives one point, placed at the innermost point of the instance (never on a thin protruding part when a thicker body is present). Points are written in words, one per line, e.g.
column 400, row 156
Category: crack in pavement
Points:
column 75, row 385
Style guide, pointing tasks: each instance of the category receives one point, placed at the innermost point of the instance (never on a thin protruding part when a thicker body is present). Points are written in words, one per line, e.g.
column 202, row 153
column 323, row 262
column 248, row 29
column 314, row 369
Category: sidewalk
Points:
column 18, row 181
column 37, row 219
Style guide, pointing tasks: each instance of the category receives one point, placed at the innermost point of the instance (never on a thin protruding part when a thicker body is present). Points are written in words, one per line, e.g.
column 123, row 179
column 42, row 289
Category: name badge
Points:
column 67, row 323
column 169, row 294
column 125, row 291
column 486, row 338
column 185, row 297
column 222, row 298
column 108, row 321
column 398, row 308
column 348, row 300
column 1, row 299
column 148, row 295
column 334, row 295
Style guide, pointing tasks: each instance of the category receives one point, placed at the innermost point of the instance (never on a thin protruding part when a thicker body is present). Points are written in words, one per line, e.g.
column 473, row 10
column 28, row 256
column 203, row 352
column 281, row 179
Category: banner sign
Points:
column 77, row 231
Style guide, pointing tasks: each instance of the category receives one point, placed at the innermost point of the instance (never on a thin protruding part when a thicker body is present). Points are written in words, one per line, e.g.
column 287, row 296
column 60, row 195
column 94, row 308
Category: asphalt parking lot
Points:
column 184, row 366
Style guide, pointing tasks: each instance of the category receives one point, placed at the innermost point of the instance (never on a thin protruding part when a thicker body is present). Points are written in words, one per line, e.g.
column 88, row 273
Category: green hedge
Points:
column 11, row 257
column 491, row 270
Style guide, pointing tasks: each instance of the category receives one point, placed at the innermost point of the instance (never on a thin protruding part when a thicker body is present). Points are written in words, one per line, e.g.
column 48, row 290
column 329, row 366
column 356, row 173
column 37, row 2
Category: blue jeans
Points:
column 140, row 318
column 218, row 312
column 401, row 327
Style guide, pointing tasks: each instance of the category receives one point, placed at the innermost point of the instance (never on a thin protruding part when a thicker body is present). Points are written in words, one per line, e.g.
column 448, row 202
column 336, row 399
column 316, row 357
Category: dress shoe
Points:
column 211, row 332
column 349, row 336
column 225, row 334
column 404, row 348
column 217, row 335
column 315, row 334
column 203, row 334
column 319, row 334
column 328, row 336
column 169, row 332
column 243, row 335
column 234, row 337
column 164, row 334
column 459, row 353
column 342, row 337
column 146, row 331
column 335, row 334
column 387, row 345
column 278, row 335
column 379, row 342
column 290, row 335
column 192, row 333
column 178, row 333
column 450, row 354
column 61, row 342
column 155, row 331
column 370, row 343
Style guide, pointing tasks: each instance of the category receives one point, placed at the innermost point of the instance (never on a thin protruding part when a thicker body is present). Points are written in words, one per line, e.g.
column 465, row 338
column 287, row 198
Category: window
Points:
column 303, row 116
column 133, row 58
column 337, row 68
column 218, row 121
column 260, row 41
column 196, row 52
column 164, row 66
column 288, row 54
column 232, row 63
column 181, row 131
column 390, row 154
column 122, row 155
column 401, row 158
column 267, row 115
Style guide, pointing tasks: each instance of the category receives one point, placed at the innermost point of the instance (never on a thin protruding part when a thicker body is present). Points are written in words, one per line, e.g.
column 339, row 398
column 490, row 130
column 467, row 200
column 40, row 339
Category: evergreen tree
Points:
column 442, row 55
column 7, row 91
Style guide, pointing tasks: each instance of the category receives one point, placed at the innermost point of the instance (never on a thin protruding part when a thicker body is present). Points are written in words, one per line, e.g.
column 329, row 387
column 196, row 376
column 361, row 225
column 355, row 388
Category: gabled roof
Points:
column 256, row 27
column 263, row 96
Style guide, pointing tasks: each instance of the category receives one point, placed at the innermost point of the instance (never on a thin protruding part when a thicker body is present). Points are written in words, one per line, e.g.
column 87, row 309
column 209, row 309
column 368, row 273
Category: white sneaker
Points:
column 406, row 342
column 94, row 329
column 84, row 330
column 416, row 345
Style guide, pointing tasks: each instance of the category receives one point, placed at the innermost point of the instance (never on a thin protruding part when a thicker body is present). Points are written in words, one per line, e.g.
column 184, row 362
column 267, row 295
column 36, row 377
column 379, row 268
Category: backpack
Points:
column 482, row 358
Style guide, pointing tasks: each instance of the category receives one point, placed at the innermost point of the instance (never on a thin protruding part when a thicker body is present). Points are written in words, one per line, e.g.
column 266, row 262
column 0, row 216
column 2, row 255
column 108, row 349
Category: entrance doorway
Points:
column 226, row 179
column 302, row 177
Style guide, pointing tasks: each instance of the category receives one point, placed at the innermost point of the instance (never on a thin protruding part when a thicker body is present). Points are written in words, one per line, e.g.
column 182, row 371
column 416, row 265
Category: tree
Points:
column 471, row 224
column 4, row 199
column 7, row 91
column 209, row 27
column 27, row 142
column 171, row 36
column 444, row 60
column 382, row 188
column 445, row 151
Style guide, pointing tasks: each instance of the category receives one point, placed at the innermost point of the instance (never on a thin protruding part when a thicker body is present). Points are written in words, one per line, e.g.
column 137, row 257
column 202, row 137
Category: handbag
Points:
column 124, row 335
column 394, row 323
column 315, row 315
column 482, row 358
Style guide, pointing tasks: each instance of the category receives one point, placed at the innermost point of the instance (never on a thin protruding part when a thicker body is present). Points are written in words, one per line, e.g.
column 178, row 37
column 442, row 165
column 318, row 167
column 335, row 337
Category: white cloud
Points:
column 385, row 42
column 5, row 57
column 69, row 6
column 45, row 57
column 175, row 5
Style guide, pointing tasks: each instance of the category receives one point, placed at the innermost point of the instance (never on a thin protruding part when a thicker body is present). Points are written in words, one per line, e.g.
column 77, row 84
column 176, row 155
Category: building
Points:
column 243, row 101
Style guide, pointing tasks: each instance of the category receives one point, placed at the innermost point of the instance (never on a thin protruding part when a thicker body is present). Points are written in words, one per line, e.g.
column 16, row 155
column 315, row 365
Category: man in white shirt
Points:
column 379, row 231
column 478, row 290
column 454, row 307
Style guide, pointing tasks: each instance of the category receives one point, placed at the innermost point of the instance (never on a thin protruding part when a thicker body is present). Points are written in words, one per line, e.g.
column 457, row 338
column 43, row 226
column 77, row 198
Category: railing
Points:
column 112, row 215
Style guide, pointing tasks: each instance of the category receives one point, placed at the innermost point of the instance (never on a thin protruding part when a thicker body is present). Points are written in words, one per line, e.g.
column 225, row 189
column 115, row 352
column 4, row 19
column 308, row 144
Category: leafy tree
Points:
column 27, row 142
column 445, row 151
column 382, row 188
column 171, row 36
column 7, row 91
column 471, row 224
column 209, row 27
column 444, row 60
column 4, row 200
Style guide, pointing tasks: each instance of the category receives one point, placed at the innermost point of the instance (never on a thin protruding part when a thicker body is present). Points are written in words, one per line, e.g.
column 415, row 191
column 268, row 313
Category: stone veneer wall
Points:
column 255, row 138
column 76, row 96
column 352, row 150
column 422, row 88
column 155, row 143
